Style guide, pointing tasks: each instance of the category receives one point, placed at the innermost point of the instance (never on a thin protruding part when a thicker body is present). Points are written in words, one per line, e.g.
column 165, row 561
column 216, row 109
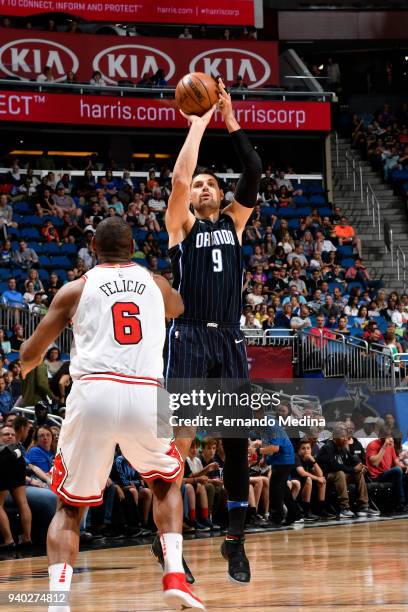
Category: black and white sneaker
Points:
column 346, row 513
column 233, row 551
column 156, row 550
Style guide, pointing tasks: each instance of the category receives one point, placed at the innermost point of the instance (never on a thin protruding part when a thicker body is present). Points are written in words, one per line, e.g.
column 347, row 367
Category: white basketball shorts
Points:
column 104, row 410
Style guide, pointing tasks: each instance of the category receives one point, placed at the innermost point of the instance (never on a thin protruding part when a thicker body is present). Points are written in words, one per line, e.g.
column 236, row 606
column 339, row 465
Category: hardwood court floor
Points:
column 344, row 568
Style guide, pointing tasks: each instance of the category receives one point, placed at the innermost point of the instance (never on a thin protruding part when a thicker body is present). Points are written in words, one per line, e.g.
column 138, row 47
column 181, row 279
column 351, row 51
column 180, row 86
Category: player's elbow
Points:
column 176, row 308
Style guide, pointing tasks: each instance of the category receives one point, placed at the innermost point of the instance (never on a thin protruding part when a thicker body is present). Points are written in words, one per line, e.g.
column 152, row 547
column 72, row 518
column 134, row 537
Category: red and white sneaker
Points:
column 177, row 593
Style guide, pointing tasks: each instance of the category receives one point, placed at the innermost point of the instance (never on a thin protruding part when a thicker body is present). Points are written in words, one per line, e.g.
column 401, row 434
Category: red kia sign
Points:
column 23, row 55
column 150, row 113
column 221, row 12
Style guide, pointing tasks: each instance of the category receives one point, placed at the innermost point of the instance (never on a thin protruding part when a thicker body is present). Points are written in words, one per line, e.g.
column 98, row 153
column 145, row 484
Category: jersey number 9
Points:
column 126, row 326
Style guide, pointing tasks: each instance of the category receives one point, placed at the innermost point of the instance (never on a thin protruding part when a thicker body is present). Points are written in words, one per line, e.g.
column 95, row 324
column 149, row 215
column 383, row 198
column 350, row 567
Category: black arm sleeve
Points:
column 248, row 185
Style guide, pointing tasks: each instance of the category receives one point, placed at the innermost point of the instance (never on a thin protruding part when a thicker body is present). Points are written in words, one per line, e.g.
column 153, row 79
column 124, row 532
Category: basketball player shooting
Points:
column 206, row 341
column 118, row 313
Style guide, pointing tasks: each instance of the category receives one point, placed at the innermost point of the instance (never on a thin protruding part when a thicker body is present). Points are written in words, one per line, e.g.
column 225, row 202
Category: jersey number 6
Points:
column 126, row 326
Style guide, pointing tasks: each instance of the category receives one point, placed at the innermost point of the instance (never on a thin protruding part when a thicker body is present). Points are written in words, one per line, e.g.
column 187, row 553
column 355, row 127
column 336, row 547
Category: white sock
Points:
column 60, row 576
column 172, row 546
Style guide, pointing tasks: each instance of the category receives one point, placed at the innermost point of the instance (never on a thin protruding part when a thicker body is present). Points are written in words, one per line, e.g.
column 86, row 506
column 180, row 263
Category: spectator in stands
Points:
column 197, row 475
column 145, row 81
column 283, row 318
column 284, row 197
column 226, row 35
column 25, row 257
column 87, row 253
column 158, row 78
column 46, row 76
column 239, row 83
column 186, row 34
column 5, row 345
column 41, row 455
column 367, row 431
column 17, row 337
column 340, row 466
column 37, row 306
column 352, row 308
column 73, row 27
column 97, row 80
column 310, row 475
column 281, row 181
column 346, row 234
column 384, row 466
column 70, row 79
column 214, row 486
column 11, row 297
column 64, row 203
column 12, row 478
column 33, row 276
column 256, row 297
column 6, row 400
column 156, row 203
column 301, row 321
column 6, row 215
column 50, row 233
column 342, row 327
column 269, row 322
column 251, row 322
column 6, row 255
column 138, row 497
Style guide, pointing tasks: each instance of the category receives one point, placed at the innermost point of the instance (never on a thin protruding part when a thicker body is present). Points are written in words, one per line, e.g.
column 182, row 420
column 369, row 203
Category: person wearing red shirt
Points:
column 384, row 466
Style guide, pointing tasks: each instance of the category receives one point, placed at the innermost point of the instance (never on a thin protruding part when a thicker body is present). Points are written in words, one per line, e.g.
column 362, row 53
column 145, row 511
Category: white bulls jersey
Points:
column 119, row 324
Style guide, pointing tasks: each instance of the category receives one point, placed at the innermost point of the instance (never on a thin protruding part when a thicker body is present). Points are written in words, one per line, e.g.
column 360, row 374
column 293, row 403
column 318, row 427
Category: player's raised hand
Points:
column 224, row 100
column 203, row 120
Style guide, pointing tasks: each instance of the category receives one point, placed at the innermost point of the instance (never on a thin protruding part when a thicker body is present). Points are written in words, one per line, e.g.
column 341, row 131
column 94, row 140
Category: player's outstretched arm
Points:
column 179, row 219
column 173, row 302
column 246, row 191
column 61, row 311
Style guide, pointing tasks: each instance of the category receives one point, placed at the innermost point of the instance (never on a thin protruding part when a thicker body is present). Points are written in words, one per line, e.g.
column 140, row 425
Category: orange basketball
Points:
column 196, row 93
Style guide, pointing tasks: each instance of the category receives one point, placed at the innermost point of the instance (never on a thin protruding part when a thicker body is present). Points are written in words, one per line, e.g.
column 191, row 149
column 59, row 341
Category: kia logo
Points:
column 229, row 62
column 25, row 58
column 132, row 62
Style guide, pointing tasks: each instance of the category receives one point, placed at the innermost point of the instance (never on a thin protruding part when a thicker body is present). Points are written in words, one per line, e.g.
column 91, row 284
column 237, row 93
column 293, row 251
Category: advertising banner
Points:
column 155, row 113
column 25, row 53
column 215, row 12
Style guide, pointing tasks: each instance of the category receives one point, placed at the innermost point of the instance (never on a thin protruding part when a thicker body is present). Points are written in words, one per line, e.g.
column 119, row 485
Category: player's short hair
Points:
column 208, row 171
column 20, row 422
column 113, row 237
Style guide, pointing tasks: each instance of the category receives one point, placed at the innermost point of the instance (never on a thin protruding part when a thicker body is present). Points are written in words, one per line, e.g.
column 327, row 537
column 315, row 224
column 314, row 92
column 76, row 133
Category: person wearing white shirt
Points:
column 45, row 76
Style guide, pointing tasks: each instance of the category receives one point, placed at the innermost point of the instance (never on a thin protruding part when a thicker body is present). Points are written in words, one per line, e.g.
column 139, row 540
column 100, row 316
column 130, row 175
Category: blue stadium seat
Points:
column 347, row 262
column 3, row 287
column 37, row 246
column 61, row 261
column 45, row 261
column 301, row 200
column 51, row 248
column 355, row 284
column 21, row 208
column 345, row 250
column 325, row 211
column 13, row 232
column 333, row 286
column 30, row 233
column 316, row 200
column 5, row 274
column 33, row 221
column 247, row 250
column 69, row 249
column 62, row 274
column 288, row 213
column 317, row 189
column 304, row 212
column 163, row 237
column 142, row 262
column 13, row 356
column 266, row 211
column 43, row 274
column 19, row 219
column 293, row 224
column 163, row 263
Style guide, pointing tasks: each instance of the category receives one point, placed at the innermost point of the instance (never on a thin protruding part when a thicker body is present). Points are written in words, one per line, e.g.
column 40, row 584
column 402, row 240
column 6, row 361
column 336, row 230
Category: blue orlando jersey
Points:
column 208, row 269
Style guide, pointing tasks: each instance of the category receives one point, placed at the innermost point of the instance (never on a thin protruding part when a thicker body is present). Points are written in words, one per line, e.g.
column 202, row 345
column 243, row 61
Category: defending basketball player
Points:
column 118, row 312
column 206, row 342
